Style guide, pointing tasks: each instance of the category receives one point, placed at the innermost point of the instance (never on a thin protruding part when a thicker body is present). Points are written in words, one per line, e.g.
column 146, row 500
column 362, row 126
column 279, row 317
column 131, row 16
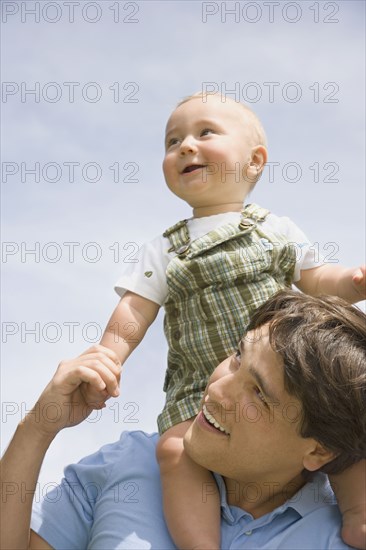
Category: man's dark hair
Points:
column 322, row 342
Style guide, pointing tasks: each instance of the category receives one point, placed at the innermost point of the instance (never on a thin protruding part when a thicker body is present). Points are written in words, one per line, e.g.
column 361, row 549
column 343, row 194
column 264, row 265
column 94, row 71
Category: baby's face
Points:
column 208, row 151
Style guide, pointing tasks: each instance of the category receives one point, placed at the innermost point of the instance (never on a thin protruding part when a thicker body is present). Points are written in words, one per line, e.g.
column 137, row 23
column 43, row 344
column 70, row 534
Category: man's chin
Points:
column 193, row 448
column 187, row 440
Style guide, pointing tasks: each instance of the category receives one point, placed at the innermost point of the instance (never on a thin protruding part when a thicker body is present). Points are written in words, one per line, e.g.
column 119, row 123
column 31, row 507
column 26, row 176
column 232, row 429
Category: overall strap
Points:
column 179, row 238
column 254, row 213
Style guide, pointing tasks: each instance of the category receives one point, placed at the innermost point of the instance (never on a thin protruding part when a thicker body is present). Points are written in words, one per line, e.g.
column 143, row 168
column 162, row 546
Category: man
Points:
column 290, row 402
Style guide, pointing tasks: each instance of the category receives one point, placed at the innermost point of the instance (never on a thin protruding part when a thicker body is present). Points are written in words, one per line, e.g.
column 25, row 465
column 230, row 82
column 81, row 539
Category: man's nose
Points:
column 224, row 390
column 223, row 400
column 188, row 145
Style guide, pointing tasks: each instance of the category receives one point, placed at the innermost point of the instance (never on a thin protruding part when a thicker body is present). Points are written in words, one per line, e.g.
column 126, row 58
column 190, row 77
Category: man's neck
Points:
column 261, row 498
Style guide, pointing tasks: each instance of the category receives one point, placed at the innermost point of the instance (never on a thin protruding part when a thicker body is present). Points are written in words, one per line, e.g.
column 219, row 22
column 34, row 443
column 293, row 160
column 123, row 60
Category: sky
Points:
column 87, row 88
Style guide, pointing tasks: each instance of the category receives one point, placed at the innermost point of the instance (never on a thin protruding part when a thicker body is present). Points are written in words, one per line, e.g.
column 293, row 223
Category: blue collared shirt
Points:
column 112, row 500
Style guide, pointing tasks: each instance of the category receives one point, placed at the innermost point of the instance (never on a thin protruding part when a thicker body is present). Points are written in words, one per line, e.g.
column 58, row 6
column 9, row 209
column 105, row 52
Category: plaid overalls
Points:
column 214, row 284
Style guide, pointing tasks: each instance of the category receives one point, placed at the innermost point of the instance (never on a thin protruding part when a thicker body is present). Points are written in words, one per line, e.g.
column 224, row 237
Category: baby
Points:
column 210, row 273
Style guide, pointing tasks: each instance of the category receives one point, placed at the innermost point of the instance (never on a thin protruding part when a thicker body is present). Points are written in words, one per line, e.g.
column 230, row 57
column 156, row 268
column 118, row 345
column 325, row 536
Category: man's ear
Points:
column 317, row 457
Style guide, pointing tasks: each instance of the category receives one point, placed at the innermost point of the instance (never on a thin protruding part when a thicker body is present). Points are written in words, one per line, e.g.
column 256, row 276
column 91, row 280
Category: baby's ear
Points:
column 259, row 157
column 256, row 164
column 318, row 457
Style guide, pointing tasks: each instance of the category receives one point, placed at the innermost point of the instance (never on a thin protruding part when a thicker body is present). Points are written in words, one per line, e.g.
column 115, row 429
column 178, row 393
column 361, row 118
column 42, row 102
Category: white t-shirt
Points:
column 146, row 275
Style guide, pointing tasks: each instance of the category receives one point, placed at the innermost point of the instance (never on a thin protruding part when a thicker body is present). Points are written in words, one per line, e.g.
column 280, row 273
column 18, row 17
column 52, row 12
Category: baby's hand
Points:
column 94, row 397
column 359, row 281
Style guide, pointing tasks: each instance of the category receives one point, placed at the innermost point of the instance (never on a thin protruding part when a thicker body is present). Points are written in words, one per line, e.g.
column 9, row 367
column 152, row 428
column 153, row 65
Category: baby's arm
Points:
column 125, row 330
column 128, row 324
column 349, row 487
column 348, row 283
column 190, row 494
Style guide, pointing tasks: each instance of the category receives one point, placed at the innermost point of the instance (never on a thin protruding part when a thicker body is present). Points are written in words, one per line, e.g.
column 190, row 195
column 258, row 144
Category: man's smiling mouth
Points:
column 213, row 421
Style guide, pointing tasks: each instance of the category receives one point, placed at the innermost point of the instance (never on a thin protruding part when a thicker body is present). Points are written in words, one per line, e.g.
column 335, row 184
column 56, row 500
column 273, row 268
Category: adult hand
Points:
column 66, row 401
column 78, row 387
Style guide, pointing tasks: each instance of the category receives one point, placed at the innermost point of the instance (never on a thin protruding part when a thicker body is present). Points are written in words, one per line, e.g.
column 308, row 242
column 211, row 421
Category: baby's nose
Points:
column 188, row 146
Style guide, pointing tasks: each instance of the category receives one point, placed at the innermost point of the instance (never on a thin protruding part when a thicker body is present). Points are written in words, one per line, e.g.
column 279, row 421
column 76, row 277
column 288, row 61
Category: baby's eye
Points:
column 238, row 355
column 172, row 141
column 206, row 131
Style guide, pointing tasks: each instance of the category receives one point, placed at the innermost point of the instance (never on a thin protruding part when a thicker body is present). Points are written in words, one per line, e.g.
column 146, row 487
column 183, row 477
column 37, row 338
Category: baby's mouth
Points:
column 192, row 168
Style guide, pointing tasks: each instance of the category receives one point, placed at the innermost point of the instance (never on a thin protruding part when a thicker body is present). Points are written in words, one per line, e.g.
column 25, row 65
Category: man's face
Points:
column 256, row 435
column 208, row 149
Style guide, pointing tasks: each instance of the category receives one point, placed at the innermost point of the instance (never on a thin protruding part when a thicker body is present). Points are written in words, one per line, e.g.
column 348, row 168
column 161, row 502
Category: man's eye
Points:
column 260, row 395
column 206, row 131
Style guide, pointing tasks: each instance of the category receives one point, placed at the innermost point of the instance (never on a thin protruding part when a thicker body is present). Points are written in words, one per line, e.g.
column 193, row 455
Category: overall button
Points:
column 246, row 222
column 248, row 532
column 182, row 249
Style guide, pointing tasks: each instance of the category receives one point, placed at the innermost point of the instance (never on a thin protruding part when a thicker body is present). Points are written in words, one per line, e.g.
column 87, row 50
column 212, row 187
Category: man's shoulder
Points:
column 131, row 457
column 134, row 442
column 133, row 448
column 320, row 520
column 140, row 437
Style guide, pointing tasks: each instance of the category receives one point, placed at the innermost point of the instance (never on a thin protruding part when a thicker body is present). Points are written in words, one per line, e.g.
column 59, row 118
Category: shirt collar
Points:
column 314, row 494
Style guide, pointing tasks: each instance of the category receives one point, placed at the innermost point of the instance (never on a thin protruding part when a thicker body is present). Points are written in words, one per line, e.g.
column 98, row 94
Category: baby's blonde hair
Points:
column 259, row 135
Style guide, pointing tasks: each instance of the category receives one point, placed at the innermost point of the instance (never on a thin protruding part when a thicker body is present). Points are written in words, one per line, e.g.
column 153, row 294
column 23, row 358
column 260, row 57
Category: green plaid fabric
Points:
column 214, row 284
